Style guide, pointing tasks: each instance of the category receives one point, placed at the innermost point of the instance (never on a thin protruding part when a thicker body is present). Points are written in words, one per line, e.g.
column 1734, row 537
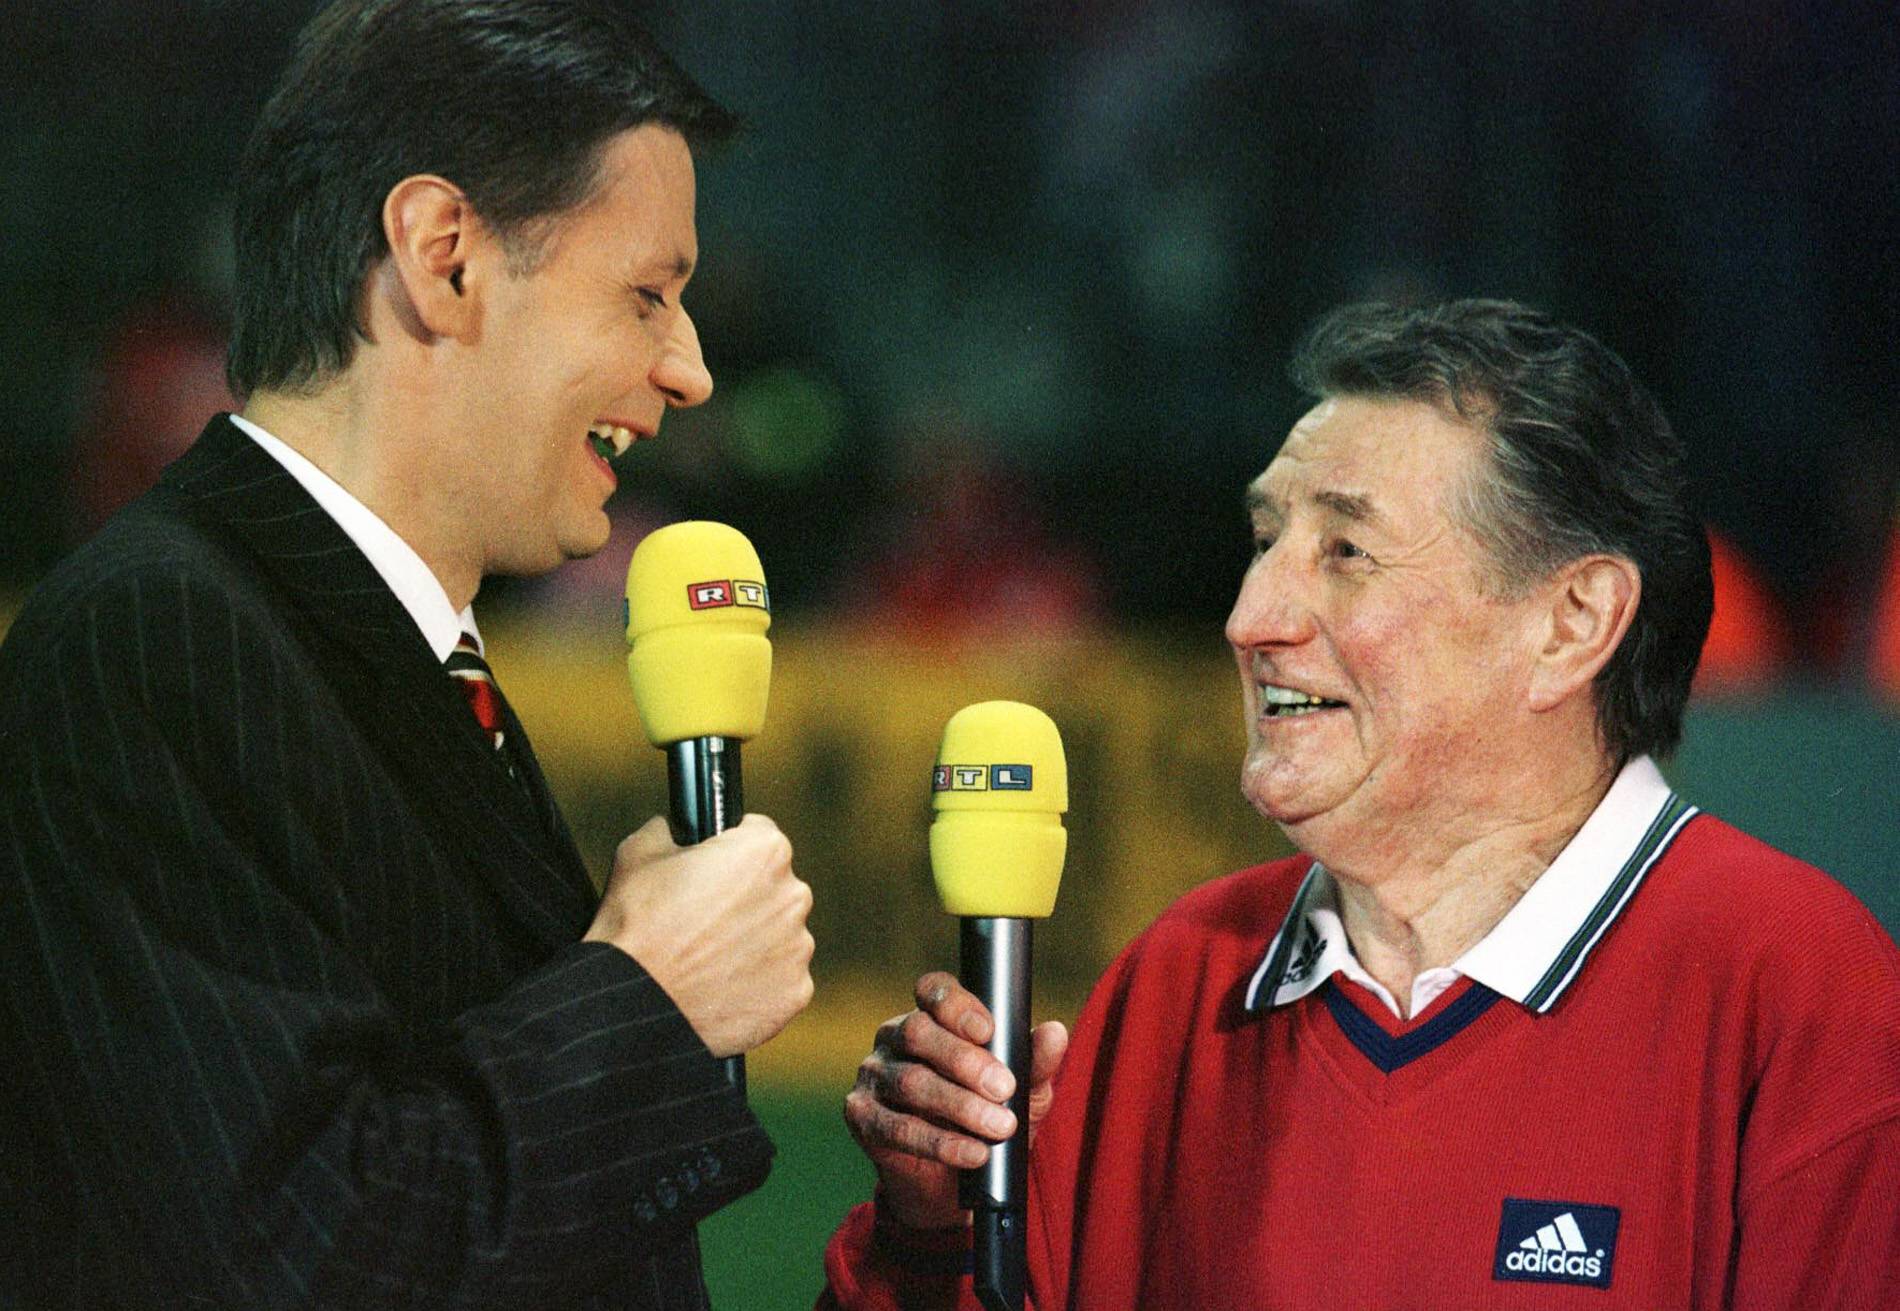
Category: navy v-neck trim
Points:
column 1389, row 1052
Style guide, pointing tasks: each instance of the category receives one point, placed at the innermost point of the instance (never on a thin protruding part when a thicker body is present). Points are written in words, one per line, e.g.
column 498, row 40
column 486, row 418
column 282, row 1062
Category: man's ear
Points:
column 433, row 235
column 1591, row 603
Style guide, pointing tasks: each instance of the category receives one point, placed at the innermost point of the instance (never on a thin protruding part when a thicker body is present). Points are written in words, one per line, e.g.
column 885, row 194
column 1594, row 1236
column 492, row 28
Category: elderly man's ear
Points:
column 1590, row 604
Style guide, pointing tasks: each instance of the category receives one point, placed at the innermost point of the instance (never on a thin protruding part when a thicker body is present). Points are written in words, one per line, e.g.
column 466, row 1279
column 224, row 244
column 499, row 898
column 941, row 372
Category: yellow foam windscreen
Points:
column 999, row 791
column 697, row 611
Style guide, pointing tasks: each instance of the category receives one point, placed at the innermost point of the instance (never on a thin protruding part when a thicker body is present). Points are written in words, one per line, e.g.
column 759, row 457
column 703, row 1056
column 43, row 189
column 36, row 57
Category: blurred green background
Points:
column 764, row 1251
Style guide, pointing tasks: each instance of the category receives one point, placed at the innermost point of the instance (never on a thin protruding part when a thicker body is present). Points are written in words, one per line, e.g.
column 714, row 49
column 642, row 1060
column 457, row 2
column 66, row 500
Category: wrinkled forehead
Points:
column 1370, row 461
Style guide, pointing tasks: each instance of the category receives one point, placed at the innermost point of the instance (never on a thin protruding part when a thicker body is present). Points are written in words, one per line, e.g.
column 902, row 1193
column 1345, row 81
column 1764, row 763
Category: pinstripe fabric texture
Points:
column 295, row 1011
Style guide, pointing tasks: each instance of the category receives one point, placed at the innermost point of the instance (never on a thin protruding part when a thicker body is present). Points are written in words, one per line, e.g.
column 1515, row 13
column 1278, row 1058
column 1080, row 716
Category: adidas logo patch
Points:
column 1557, row 1248
column 1556, row 1242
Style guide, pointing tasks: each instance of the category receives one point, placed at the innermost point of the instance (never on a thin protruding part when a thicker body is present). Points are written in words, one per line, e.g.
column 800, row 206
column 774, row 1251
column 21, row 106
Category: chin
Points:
column 578, row 546
column 1286, row 800
column 1265, row 797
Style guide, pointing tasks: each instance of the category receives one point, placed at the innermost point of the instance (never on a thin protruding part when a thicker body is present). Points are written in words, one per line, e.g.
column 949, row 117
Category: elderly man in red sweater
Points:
column 1520, row 1027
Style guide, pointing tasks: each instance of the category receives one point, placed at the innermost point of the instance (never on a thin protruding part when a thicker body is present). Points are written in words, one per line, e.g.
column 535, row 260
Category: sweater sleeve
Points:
column 1818, row 1201
column 1826, row 1232
column 875, row 1264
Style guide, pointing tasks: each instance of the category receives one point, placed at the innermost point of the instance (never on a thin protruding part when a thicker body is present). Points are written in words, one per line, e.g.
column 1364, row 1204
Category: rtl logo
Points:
column 718, row 593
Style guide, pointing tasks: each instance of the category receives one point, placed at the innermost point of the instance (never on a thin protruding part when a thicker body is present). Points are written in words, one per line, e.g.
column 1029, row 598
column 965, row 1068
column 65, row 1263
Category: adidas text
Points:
column 1555, row 1263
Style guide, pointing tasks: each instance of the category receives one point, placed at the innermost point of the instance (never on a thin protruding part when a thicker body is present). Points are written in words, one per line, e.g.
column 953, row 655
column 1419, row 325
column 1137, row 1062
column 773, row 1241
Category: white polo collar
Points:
column 1534, row 952
column 413, row 582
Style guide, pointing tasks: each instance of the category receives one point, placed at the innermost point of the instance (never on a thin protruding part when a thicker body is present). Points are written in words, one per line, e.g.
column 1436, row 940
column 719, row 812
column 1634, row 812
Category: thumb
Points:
column 651, row 841
column 1048, row 1044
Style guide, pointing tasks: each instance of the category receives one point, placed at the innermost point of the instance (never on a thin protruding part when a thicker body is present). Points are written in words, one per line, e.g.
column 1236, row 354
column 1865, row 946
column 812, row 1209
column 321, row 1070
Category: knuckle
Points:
column 911, row 1083
column 865, row 1117
column 933, row 989
column 794, row 904
column 869, row 1120
column 776, row 850
column 922, row 1139
column 970, row 1064
column 914, row 1028
column 894, row 1129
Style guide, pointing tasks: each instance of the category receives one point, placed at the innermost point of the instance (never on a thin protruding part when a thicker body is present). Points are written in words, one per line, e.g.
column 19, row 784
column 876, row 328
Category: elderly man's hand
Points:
column 929, row 1099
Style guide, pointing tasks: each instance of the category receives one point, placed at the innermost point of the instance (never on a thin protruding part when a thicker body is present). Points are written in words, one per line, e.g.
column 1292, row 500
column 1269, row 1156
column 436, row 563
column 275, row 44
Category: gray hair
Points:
column 1582, row 462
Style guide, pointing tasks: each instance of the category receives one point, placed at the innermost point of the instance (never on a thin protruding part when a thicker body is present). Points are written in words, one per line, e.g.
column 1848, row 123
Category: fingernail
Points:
column 974, row 1028
column 998, row 1082
column 999, row 1122
column 974, row 1154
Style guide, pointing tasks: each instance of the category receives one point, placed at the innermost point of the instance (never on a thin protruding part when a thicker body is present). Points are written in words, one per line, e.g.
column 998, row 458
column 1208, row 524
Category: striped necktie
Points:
column 472, row 674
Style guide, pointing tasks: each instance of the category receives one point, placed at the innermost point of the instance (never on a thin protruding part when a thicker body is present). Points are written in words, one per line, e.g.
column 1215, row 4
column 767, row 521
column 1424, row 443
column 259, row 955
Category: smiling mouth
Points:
column 610, row 439
column 1278, row 702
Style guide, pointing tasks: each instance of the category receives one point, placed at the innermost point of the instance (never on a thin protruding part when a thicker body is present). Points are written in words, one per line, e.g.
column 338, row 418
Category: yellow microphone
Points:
column 697, row 612
column 999, row 790
column 701, row 666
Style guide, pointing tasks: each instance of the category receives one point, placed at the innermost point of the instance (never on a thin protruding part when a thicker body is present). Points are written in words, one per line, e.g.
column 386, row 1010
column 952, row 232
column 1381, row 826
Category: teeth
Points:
column 619, row 438
column 1279, row 702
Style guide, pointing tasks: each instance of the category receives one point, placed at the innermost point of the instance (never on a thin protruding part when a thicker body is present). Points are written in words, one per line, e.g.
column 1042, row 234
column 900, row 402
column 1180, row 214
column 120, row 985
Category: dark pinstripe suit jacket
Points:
column 295, row 1011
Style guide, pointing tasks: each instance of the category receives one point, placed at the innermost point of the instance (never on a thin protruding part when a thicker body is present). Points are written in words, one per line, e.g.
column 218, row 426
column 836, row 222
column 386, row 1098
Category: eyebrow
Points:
column 679, row 266
column 1352, row 506
column 1348, row 505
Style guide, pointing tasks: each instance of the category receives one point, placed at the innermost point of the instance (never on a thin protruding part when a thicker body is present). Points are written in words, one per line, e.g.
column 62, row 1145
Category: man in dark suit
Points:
column 308, row 999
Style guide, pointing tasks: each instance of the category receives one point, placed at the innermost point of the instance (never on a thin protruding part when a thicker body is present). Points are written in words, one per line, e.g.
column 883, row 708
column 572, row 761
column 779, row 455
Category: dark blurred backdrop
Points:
column 1031, row 270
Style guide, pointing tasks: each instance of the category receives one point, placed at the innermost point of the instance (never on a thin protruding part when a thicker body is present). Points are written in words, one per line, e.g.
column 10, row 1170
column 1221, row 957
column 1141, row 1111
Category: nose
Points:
column 680, row 371
column 1271, row 609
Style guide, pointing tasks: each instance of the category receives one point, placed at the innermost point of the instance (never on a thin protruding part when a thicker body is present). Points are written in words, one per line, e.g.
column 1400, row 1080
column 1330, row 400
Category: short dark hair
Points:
column 514, row 101
column 1582, row 461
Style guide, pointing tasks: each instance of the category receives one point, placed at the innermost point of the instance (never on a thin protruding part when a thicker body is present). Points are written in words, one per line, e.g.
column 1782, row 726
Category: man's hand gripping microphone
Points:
column 999, row 790
column 701, row 667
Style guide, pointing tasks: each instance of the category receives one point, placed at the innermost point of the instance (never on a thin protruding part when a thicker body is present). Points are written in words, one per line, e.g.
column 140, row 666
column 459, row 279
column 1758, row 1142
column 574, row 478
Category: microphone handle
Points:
column 995, row 965
column 705, row 795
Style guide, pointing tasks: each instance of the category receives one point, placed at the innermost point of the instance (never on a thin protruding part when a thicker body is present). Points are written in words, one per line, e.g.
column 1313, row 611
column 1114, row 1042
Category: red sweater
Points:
column 1708, row 1115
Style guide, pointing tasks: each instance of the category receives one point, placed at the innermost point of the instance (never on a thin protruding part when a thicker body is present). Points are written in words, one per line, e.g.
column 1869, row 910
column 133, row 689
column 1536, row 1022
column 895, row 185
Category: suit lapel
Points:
column 540, row 796
column 371, row 653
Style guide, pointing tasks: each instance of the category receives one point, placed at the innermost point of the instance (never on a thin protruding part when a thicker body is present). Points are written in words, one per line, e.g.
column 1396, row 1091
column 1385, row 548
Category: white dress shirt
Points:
column 414, row 584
